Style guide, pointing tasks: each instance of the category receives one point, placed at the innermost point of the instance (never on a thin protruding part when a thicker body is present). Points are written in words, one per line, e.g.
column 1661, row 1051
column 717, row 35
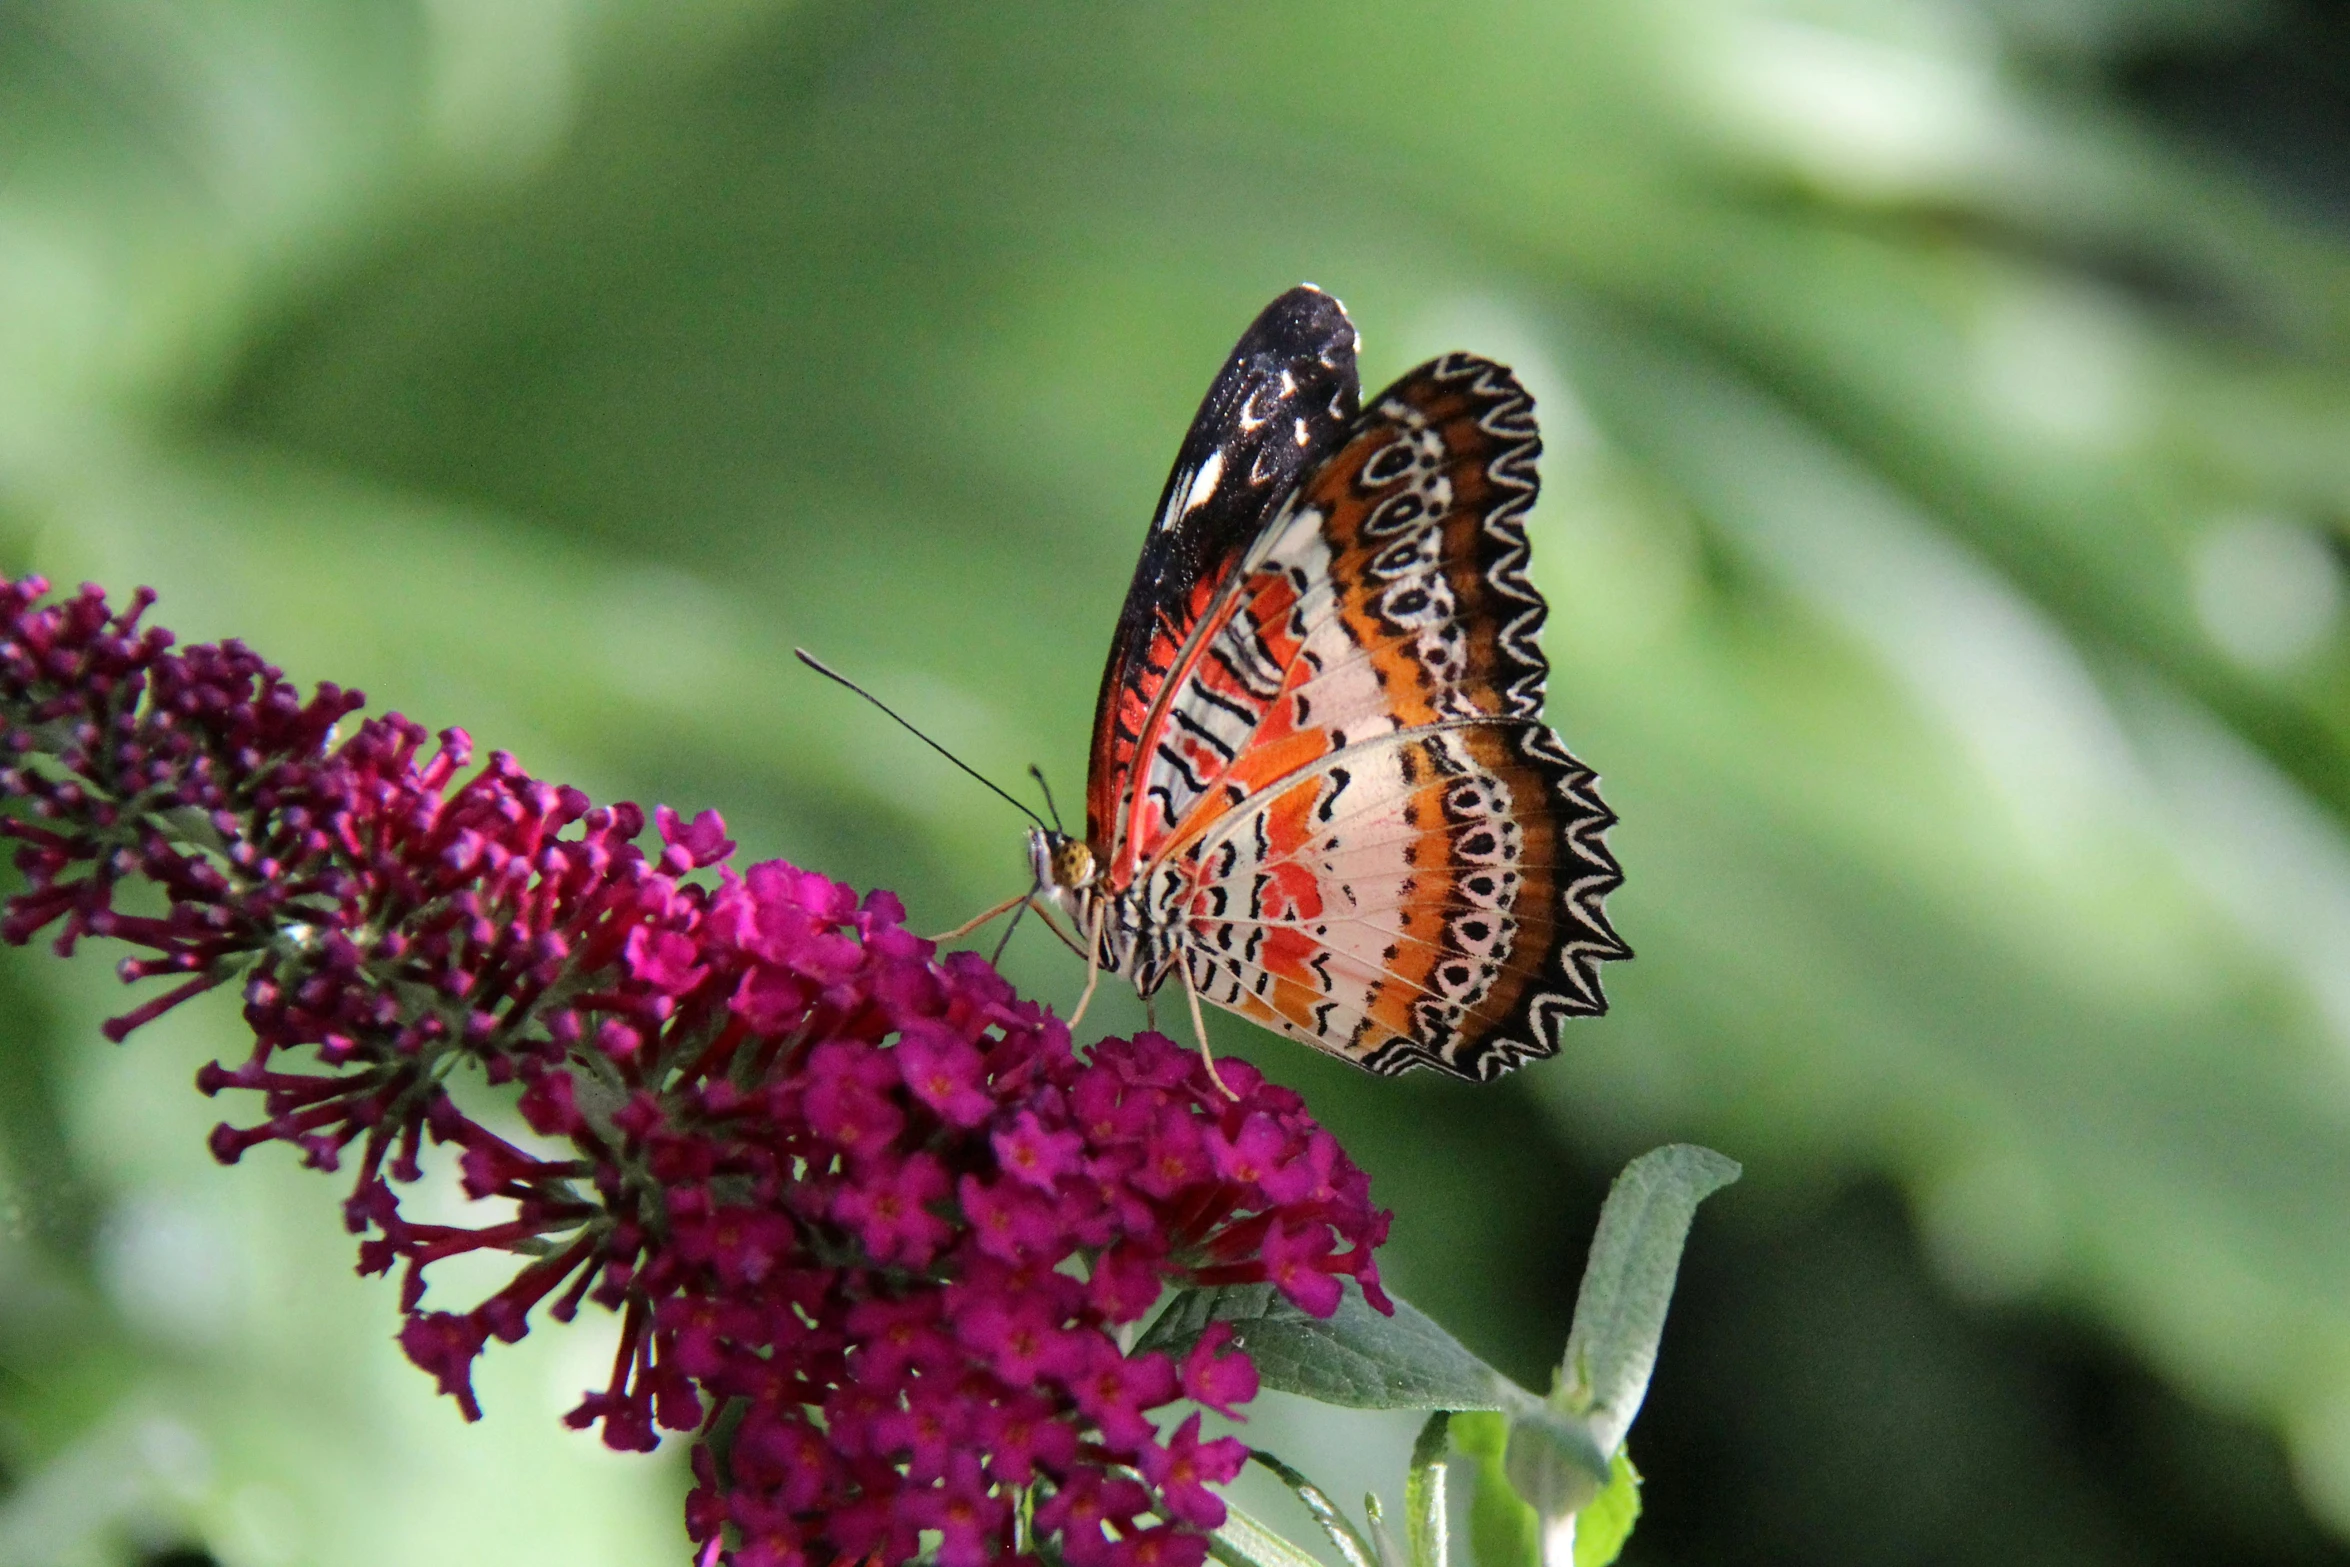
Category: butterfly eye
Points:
column 1072, row 863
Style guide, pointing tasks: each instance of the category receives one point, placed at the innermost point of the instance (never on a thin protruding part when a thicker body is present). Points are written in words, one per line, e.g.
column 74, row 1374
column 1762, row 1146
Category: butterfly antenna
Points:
column 1037, row 773
column 829, row 673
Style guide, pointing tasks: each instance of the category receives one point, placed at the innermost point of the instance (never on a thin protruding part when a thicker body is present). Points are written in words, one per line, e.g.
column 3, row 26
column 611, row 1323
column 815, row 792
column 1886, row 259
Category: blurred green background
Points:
column 1948, row 475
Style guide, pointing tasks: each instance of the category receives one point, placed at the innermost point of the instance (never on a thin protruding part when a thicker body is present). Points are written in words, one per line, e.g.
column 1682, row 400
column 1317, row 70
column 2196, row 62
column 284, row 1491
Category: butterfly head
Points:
column 1061, row 863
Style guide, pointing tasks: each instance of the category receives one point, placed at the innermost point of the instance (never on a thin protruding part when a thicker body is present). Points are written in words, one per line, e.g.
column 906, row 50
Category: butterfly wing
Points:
column 1347, row 801
column 1283, row 402
column 1428, row 898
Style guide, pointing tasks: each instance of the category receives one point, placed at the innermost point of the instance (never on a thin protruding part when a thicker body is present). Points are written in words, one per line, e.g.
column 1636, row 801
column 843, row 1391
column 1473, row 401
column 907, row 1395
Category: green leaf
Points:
column 1244, row 1541
column 1343, row 1535
column 1603, row 1526
column 1356, row 1358
column 1555, row 1462
column 1503, row 1531
column 1628, row 1284
column 1425, row 1502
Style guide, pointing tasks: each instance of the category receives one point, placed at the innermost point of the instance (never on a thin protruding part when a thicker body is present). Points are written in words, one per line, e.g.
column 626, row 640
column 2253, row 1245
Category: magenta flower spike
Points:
column 870, row 1225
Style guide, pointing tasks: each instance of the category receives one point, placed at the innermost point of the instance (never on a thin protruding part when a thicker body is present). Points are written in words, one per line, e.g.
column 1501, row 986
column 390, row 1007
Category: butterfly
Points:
column 1321, row 791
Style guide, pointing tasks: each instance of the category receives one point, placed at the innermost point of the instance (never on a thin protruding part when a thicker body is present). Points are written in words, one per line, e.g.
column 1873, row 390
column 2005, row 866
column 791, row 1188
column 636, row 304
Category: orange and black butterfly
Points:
column 1322, row 794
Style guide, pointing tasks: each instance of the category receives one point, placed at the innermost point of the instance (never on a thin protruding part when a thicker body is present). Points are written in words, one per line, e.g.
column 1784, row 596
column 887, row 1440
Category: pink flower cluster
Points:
column 873, row 1229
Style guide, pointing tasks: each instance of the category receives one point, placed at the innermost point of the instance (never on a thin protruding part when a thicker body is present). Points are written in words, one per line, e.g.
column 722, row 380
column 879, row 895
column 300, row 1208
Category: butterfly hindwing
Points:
column 1283, row 402
column 1378, row 848
column 1430, row 897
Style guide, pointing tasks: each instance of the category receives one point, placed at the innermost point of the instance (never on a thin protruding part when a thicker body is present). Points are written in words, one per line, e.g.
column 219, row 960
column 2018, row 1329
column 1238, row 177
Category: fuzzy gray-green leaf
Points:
column 1627, row 1286
column 1356, row 1358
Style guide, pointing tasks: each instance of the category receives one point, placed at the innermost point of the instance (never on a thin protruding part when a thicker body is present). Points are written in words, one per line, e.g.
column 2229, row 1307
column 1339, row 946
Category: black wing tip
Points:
column 1307, row 295
column 1306, row 321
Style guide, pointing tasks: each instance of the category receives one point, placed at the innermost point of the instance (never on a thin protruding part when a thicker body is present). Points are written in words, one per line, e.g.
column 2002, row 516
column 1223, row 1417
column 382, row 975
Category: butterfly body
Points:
column 1130, row 938
column 1322, row 792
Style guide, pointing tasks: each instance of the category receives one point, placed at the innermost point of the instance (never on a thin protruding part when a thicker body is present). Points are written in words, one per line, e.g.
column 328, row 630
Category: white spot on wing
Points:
column 1203, row 483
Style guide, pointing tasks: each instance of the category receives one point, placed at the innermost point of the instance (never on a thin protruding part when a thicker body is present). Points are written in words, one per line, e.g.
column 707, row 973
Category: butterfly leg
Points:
column 1044, row 912
column 972, row 924
column 1093, row 960
column 996, row 958
column 1199, row 1026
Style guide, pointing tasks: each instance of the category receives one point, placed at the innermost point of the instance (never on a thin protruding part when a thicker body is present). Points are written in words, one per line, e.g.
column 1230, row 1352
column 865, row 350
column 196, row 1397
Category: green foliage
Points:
column 1553, row 1463
column 1627, row 1288
column 1503, row 1530
column 1605, row 1523
column 1356, row 1358
column 1542, row 1463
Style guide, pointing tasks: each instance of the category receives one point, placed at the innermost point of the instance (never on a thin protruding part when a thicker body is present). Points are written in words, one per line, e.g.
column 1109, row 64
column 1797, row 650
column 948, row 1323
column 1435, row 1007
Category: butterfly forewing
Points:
column 1284, row 401
column 1342, row 789
column 1388, row 592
